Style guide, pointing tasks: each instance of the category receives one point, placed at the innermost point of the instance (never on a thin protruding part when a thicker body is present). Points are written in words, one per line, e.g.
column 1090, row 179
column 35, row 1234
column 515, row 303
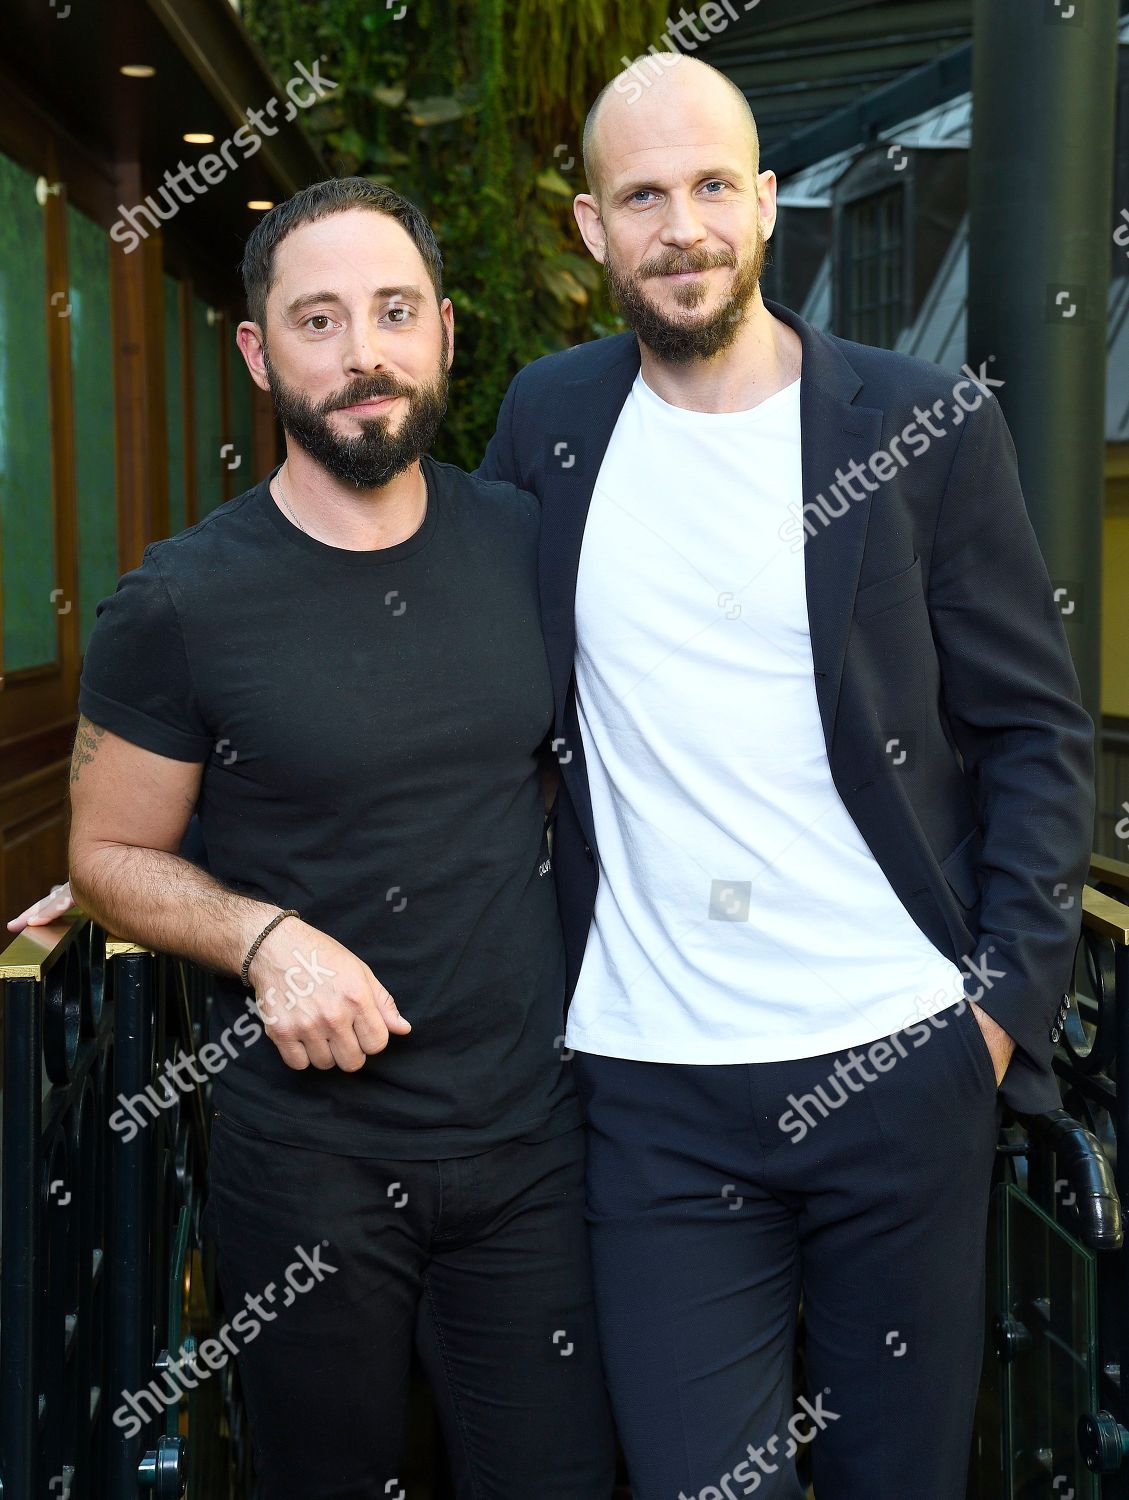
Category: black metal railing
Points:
column 1051, row 1419
column 104, row 1277
column 1092, row 1066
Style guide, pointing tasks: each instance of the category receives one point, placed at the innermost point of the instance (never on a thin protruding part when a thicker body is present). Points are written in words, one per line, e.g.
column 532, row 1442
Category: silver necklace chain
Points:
column 289, row 507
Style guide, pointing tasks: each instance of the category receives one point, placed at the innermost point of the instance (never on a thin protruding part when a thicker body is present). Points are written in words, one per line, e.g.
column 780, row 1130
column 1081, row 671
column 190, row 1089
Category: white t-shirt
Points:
column 740, row 917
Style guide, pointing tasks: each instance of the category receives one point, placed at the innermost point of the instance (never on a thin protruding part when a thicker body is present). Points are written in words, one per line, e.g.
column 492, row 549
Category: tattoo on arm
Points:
column 86, row 743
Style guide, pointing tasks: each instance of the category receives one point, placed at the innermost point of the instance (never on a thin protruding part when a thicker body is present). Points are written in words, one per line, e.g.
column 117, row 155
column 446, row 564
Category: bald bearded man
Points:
column 825, row 779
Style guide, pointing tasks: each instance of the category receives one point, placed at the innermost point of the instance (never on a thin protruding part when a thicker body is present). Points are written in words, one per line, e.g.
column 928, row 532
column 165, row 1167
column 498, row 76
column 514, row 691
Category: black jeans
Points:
column 480, row 1263
column 718, row 1195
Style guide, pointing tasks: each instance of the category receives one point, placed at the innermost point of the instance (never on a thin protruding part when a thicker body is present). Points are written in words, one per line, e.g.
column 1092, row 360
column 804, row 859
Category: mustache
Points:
column 369, row 388
column 675, row 262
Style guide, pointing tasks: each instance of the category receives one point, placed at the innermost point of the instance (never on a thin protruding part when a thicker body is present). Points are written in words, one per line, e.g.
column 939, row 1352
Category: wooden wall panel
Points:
column 138, row 309
column 33, row 835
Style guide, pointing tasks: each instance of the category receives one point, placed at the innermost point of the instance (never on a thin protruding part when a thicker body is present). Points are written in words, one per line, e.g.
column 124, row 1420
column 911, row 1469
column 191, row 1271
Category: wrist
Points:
column 261, row 936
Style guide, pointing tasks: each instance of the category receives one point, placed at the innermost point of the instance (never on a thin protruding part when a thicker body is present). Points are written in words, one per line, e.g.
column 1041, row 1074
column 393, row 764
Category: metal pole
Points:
column 1043, row 90
column 129, row 1233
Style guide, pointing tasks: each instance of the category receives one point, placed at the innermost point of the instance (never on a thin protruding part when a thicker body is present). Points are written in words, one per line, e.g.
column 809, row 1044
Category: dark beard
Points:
column 374, row 456
column 675, row 341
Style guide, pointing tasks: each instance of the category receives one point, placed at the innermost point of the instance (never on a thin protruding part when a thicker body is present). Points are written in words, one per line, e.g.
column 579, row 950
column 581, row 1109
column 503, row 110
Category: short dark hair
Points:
column 318, row 201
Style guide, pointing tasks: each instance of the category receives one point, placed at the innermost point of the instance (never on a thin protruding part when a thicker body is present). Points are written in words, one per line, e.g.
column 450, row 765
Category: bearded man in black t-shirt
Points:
column 342, row 672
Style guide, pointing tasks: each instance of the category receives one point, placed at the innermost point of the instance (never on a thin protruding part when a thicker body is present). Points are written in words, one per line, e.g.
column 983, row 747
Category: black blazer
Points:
column 932, row 622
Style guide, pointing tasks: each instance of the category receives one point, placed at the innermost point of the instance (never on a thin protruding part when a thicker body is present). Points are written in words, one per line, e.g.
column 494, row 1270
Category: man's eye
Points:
column 639, row 194
column 322, row 318
column 399, row 314
column 715, row 184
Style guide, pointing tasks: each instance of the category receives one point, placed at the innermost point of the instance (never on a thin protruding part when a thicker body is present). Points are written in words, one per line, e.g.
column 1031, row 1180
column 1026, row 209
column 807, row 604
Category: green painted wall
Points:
column 92, row 375
column 27, row 519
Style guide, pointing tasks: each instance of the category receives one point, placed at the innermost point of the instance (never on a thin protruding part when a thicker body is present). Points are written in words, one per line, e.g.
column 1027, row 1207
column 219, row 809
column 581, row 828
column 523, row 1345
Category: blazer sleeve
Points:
column 1011, row 696
column 500, row 458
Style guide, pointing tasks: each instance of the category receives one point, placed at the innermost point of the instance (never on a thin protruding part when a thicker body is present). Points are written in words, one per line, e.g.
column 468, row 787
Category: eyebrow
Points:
column 311, row 299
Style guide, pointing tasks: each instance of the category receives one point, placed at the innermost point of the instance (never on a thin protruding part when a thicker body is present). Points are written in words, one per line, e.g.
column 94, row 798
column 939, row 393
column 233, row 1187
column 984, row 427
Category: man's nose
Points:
column 364, row 352
column 682, row 224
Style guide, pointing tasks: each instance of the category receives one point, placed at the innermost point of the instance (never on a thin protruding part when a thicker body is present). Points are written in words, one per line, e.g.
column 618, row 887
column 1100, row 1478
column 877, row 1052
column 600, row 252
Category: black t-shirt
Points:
column 369, row 723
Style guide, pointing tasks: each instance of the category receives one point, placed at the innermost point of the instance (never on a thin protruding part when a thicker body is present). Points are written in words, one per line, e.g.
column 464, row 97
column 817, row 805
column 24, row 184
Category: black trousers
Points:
column 480, row 1263
column 718, row 1195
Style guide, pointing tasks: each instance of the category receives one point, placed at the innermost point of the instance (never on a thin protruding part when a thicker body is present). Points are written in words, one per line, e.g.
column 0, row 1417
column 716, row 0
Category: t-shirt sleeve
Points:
column 136, row 680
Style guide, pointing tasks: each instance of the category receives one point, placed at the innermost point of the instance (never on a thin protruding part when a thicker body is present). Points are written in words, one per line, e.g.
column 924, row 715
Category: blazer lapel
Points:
column 579, row 433
column 834, row 435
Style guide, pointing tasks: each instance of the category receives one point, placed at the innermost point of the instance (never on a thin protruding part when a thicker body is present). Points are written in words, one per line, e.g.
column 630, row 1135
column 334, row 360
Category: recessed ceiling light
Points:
column 199, row 138
column 137, row 70
column 260, row 203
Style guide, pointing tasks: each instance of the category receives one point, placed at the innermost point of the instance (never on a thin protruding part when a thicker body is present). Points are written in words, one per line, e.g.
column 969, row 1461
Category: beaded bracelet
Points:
column 254, row 948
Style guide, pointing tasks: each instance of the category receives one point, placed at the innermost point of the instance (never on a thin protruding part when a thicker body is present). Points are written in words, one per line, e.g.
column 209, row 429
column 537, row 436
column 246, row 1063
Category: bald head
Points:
column 660, row 96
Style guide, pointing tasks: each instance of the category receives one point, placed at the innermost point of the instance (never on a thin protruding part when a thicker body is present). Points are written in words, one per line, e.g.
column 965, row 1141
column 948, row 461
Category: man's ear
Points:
column 766, row 201
column 586, row 211
column 447, row 314
column 252, row 346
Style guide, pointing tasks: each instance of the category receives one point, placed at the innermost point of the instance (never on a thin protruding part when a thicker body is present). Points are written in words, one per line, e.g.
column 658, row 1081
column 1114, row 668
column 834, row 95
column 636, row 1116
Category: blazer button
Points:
column 588, row 851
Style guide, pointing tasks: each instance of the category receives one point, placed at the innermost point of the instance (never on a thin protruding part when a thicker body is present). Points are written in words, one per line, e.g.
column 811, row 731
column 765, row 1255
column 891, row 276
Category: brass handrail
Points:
column 1109, row 871
column 1103, row 915
column 36, row 950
